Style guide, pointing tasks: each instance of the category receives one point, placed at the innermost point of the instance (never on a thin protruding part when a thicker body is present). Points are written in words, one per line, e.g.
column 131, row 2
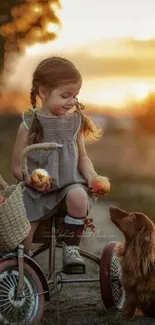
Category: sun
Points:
column 140, row 90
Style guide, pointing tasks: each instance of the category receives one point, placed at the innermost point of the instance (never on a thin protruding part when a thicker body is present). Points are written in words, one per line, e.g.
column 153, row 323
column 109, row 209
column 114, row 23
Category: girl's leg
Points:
column 77, row 202
column 28, row 239
column 73, row 226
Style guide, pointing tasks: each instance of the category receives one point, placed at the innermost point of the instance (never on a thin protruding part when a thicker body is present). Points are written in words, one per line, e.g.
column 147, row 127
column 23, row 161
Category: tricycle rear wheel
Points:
column 110, row 278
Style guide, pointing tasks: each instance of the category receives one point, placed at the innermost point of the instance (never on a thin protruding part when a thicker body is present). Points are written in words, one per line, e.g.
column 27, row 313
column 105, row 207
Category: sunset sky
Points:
column 112, row 43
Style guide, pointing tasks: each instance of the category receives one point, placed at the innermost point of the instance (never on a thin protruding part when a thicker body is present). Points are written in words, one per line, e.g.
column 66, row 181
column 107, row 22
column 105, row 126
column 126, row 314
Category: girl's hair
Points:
column 51, row 73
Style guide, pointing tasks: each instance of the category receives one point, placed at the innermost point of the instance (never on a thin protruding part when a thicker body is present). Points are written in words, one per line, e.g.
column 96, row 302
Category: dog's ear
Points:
column 140, row 253
column 145, row 249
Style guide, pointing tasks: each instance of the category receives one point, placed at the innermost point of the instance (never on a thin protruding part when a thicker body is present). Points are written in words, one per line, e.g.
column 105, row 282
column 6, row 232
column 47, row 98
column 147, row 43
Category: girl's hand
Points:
column 99, row 185
column 46, row 187
column 39, row 186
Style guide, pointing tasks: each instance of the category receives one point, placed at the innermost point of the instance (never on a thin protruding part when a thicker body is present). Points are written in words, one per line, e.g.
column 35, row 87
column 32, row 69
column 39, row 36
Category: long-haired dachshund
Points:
column 137, row 260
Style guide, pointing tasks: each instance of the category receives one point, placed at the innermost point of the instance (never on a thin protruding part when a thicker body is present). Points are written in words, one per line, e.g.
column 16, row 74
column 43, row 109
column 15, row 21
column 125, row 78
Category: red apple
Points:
column 39, row 177
column 2, row 199
column 100, row 185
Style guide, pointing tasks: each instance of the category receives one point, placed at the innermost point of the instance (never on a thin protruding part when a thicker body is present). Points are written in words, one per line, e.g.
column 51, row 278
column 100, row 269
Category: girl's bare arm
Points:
column 85, row 165
column 19, row 146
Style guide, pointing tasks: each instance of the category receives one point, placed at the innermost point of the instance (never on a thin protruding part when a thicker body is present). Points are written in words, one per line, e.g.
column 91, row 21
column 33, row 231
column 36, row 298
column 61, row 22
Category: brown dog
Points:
column 137, row 259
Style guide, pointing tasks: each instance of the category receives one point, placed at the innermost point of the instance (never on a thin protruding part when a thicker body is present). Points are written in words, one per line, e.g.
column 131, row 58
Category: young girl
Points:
column 57, row 83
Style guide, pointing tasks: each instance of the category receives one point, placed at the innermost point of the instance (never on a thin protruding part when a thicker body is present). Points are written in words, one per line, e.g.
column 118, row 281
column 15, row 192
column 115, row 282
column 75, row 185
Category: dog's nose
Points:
column 113, row 210
column 117, row 213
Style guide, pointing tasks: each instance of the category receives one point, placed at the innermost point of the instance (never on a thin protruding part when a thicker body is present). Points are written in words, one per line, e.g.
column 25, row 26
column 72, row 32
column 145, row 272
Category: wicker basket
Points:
column 14, row 225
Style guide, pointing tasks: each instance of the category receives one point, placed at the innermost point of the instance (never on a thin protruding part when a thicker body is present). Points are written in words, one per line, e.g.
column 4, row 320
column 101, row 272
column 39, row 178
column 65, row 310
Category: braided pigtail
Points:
column 36, row 131
column 89, row 129
column 33, row 95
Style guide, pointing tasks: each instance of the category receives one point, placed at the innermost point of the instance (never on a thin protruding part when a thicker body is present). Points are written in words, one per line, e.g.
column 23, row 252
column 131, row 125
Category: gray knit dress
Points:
column 61, row 164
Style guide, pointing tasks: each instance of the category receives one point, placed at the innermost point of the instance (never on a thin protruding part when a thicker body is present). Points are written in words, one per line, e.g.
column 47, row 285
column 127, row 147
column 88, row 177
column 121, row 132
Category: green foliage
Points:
column 24, row 22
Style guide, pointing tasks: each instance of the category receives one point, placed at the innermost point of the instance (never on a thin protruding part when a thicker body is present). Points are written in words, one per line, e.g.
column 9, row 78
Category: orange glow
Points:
column 102, row 31
column 140, row 90
column 117, row 94
column 36, row 8
column 106, row 20
column 13, row 102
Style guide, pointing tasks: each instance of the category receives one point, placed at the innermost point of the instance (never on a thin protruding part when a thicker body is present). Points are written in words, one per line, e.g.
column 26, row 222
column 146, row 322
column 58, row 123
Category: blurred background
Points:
column 112, row 43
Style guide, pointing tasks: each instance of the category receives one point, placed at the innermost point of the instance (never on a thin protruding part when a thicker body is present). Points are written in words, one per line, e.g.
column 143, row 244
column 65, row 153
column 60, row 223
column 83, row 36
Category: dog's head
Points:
column 131, row 223
column 139, row 232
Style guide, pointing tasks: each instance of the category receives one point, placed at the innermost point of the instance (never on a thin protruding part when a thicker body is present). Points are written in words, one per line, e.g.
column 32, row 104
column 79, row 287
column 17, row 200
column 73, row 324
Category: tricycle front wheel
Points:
column 30, row 306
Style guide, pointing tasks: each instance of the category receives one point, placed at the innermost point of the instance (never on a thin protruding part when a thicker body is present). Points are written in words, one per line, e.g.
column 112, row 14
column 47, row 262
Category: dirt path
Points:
column 82, row 303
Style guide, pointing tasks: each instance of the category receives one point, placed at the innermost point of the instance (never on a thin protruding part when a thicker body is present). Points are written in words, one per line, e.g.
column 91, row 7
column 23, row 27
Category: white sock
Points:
column 74, row 221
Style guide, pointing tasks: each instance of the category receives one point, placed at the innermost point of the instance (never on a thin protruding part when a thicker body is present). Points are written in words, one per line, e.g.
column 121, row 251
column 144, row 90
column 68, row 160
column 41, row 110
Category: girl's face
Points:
column 61, row 99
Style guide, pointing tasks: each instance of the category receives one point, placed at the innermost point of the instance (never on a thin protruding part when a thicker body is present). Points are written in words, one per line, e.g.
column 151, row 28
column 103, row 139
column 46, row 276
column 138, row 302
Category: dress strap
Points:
column 78, row 122
column 28, row 116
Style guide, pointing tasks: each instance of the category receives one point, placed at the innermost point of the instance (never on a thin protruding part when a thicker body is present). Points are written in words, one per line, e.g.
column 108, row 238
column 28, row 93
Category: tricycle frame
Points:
column 51, row 244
